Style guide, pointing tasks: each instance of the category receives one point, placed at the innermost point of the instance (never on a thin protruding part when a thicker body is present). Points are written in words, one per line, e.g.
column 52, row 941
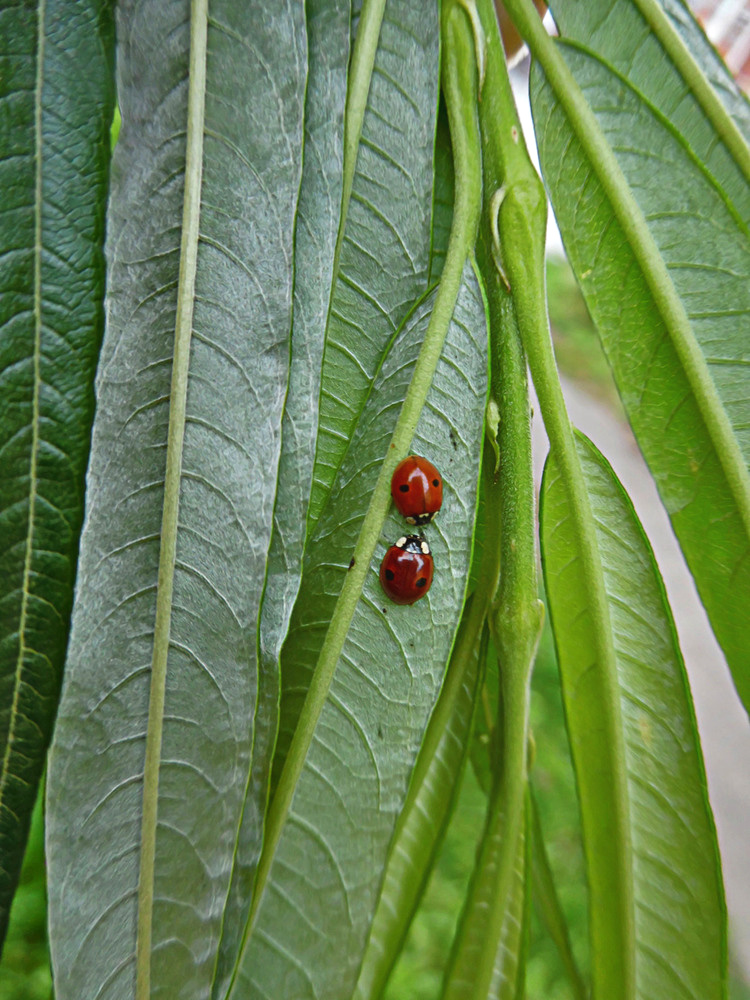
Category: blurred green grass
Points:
column 24, row 970
column 578, row 351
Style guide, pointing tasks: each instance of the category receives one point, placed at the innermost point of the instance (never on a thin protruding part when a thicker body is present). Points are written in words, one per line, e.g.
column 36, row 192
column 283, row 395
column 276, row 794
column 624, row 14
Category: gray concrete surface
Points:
column 723, row 723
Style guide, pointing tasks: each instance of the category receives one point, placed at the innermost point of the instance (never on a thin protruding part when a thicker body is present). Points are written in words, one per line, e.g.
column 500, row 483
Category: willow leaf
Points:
column 660, row 246
column 429, row 805
column 145, row 802
column 56, row 103
column 656, row 824
column 316, row 229
column 385, row 248
column 323, row 886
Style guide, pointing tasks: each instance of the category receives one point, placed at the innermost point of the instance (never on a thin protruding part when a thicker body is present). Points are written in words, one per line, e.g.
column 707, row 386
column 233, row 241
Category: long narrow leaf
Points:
column 56, row 103
column 660, row 246
column 383, row 265
column 675, row 899
column 385, row 250
column 322, row 889
column 428, row 808
column 316, row 229
column 180, row 497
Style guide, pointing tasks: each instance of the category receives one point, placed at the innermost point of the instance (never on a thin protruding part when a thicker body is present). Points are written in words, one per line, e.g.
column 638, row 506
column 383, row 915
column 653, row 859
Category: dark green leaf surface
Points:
column 681, row 370
column 316, row 230
column 236, row 379
column 56, row 101
column 385, row 251
column 323, row 889
column 676, row 903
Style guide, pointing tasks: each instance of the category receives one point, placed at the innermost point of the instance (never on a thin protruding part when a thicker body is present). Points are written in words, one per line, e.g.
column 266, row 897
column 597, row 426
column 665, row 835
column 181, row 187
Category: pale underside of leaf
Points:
column 676, row 895
column 384, row 256
column 239, row 357
column 386, row 235
column 427, row 811
column 316, row 229
column 323, row 887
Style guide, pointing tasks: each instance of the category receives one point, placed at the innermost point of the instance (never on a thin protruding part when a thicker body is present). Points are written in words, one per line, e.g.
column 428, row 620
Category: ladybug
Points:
column 406, row 570
column 417, row 489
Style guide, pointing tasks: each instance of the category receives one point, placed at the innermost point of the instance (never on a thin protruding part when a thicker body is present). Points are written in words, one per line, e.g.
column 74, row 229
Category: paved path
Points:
column 723, row 724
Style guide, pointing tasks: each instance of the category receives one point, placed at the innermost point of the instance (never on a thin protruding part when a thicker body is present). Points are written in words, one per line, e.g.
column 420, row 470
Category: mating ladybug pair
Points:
column 407, row 567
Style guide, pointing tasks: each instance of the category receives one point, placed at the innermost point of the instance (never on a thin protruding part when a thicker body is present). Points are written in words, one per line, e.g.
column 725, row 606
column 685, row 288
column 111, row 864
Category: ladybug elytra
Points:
column 417, row 489
column 406, row 570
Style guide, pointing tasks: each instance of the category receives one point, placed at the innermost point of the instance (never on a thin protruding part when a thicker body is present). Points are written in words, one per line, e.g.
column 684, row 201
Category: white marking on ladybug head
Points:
column 411, row 520
column 425, row 547
column 401, row 542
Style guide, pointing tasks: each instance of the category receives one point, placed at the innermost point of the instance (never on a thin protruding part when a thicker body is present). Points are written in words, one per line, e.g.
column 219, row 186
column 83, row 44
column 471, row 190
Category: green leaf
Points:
column 381, row 223
column 662, row 254
column 316, row 229
column 665, row 62
column 173, row 563
column 428, row 808
column 323, row 887
column 385, row 250
column 56, row 103
column 637, row 756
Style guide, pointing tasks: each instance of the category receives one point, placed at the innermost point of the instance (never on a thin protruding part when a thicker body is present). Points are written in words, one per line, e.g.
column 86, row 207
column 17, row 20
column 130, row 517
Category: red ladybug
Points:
column 406, row 570
column 417, row 489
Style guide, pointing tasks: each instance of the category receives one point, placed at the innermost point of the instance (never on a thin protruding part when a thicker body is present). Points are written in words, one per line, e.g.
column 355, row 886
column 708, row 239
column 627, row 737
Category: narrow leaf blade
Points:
column 57, row 98
column 323, row 887
column 316, row 229
column 385, row 250
column 236, row 376
column 427, row 811
column 671, row 320
column 676, row 898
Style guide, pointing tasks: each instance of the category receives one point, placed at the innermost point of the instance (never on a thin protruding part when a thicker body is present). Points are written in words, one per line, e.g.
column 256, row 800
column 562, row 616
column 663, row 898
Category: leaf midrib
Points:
column 175, row 438
column 29, row 547
column 667, row 124
column 699, row 86
column 628, row 213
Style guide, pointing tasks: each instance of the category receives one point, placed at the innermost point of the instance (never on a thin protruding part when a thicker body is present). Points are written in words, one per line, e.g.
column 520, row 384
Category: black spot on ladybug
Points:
column 389, row 574
column 421, row 581
column 435, row 482
column 351, row 563
column 404, row 487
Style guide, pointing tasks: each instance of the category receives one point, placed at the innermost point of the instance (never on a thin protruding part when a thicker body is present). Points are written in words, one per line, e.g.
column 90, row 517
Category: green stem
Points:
column 360, row 77
column 517, row 613
column 521, row 226
column 460, row 91
column 170, row 516
column 656, row 18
